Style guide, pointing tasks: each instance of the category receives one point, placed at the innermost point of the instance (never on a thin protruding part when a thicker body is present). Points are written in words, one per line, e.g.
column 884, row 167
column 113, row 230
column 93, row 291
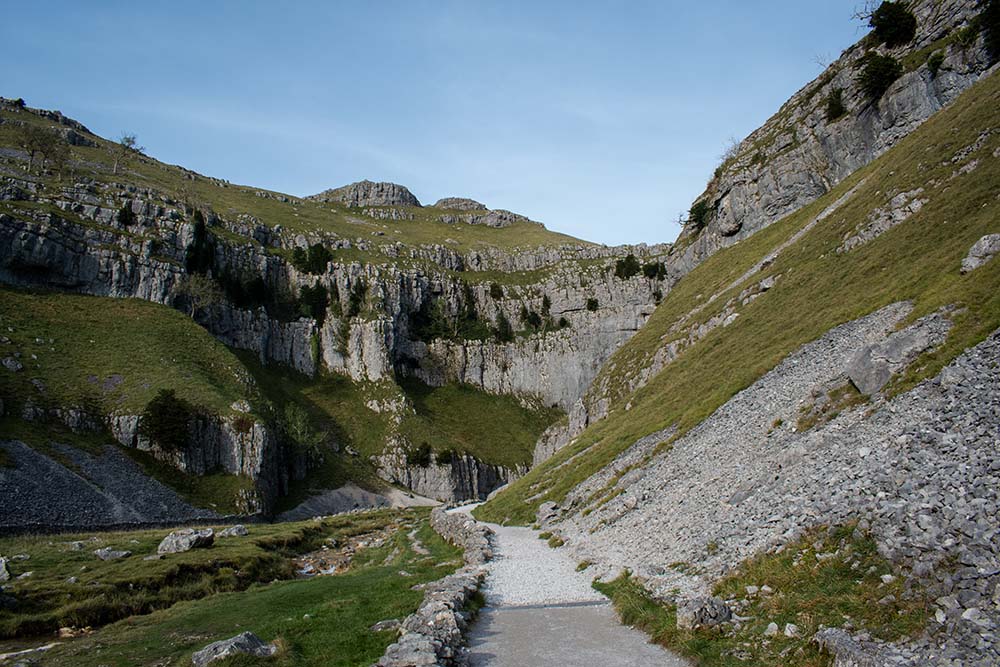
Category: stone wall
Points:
column 434, row 635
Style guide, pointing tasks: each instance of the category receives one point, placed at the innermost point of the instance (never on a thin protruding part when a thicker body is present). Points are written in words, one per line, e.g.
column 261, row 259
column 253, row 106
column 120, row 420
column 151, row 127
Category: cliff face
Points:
column 801, row 152
column 77, row 238
column 798, row 155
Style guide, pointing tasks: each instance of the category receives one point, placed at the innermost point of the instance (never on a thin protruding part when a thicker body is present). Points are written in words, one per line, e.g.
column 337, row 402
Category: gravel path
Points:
column 541, row 611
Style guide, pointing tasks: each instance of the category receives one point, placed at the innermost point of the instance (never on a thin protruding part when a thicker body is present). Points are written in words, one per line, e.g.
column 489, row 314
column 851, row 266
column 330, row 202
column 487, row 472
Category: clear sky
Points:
column 601, row 119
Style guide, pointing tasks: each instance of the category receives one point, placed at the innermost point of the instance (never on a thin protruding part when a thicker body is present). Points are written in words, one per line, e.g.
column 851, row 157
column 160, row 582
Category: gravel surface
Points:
column 922, row 470
column 107, row 489
column 526, row 571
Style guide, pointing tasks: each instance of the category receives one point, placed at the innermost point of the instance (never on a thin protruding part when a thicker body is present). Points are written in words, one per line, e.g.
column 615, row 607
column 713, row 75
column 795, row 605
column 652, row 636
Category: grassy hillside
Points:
column 296, row 215
column 917, row 260
column 113, row 354
column 177, row 605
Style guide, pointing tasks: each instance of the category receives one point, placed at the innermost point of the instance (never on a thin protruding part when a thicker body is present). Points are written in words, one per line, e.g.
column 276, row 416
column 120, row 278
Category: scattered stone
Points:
column 107, row 553
column 186, row 539
column 702, row 612
column 12, row 364
column 239, row 530
column 387, row 625
column 153, row 557
column 246, row 643
column 791, row 630
column 771, row 630
column 4, row 572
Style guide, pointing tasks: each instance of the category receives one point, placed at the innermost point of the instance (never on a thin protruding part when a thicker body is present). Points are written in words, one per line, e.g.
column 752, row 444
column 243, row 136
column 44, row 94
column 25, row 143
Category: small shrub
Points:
column 421, row 456
column 654, row 270
column 445, row 457
column 126, row 217
column 968, row 36
column 835, row 105
column 592, row 304
column 877, row 74
column 627, row 267
column 893, row 23
column 313, row 302
column 19, row 103
column 200, row 253
column 504, row 331
column 357, row 298
column 563, row 323
column 533, row 320
column 496, row 291
column 546, row 304
column 990, row 21
column 698, row 215
column 166, row 421
column 657, row 296
column 934, row 63
column 243, row 424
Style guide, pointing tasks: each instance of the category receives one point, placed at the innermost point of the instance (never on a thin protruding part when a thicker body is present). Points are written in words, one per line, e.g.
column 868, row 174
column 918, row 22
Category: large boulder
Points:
column 702, row 613
column 246, row 643
column 981, row 252
column 875, row 365
column 186, row 539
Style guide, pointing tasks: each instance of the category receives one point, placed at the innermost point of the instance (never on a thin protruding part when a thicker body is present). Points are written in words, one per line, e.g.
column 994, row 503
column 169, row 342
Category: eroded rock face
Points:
column 464, row 478
column 702, row 613
column 799, row 154
column 367, row 193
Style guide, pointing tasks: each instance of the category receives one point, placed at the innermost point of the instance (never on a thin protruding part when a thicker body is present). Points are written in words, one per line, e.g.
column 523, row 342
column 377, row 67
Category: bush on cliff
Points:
column 166, row 421
column 878, row 72
column 894, row 24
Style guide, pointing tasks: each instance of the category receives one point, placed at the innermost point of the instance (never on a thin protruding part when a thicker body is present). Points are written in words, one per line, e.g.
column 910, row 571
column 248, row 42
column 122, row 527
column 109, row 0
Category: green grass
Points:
column 460, row 418
column 809, row 593
column 917, row 260
column 109, row 591
column 320, row 621
column 114, row 354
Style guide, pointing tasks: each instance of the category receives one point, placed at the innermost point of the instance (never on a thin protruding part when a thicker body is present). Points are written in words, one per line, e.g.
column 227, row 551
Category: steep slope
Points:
column 824, row 388
column 833, row 126
column 360, row 282
column 746, row 308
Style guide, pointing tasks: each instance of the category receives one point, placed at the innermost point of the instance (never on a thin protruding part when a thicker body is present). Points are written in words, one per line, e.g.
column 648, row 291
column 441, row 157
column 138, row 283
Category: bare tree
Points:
column 200, row 292
column 35, row 141
column 57, row 154
column 124, row 150
column 865, row 11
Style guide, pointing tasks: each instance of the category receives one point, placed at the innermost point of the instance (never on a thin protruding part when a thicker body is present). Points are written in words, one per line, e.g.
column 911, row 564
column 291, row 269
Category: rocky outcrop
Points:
column 459, row 204
column 236, row 445
column 981, row 252
column 367, row 193
column 463, row 478
column 245, row 643
column 801, row 153
column 875, row 365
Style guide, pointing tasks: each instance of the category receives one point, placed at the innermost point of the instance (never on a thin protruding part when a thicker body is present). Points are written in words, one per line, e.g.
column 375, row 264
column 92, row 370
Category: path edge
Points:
column 435, row 633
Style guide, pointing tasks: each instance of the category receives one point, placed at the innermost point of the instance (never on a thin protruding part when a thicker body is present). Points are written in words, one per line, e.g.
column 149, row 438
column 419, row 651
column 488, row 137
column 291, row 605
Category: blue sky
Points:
column 601, row 119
